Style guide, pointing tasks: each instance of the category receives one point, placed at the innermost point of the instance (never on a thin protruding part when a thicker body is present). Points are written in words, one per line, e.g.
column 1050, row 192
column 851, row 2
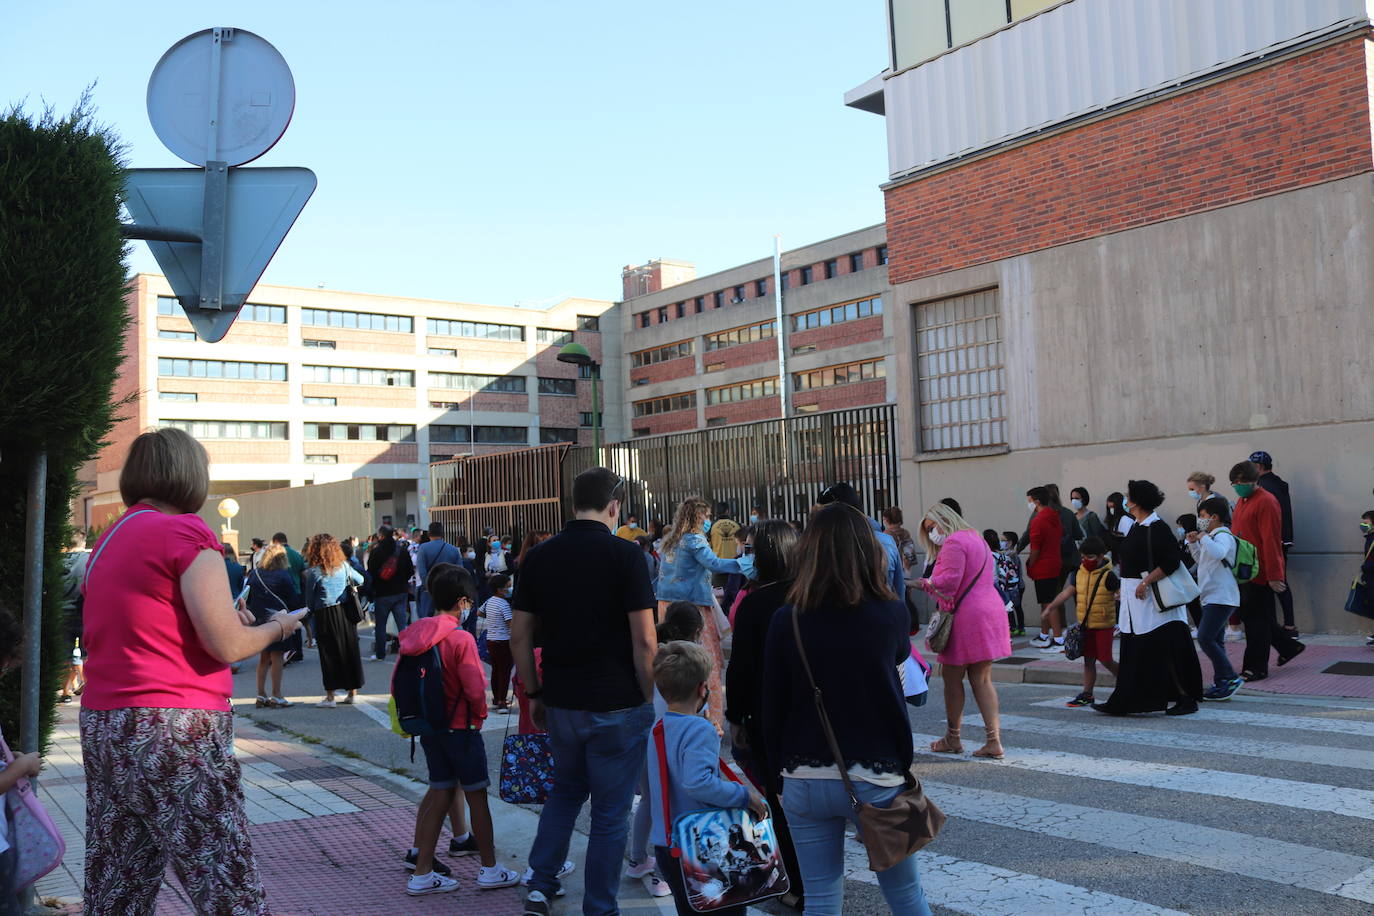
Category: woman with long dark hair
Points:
column 854, row 632
column 327, row 574
column 1158, row 663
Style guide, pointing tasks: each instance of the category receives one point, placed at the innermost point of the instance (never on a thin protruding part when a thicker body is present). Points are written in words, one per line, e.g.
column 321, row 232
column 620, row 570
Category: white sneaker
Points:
column 637, row 870
column 1237, row 634
column 1053, row 647
column 373, row 658
column 563, row 872
column 1040, row 642
column 418, row 885
column 656, row 886
column 496, row 876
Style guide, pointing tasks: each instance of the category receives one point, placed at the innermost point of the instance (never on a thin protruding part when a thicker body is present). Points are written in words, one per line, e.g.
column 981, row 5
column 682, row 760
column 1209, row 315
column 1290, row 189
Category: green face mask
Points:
column 1244, row 490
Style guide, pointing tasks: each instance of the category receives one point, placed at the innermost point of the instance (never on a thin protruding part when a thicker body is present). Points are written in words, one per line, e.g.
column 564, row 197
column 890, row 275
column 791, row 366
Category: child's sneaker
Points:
column 1054, row 645
column 431, row 883
column 466, row 848
column 439, row 867
column 496, row 876
column 1224, row 690
column 656, row 886
column 637, row 870
column 1083, row 699
column 563, row 872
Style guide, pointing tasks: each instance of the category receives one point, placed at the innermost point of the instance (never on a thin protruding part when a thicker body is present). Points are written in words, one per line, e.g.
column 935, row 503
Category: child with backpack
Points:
column 1094, row 589
column 690, row 758
column 441, row 697
column 1219, row 564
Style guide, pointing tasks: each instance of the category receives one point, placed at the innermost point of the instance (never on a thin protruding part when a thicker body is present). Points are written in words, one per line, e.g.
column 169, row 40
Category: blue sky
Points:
column 515, row 150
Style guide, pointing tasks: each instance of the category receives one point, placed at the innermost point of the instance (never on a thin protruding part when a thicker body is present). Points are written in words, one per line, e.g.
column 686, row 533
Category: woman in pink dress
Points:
column 964, row 582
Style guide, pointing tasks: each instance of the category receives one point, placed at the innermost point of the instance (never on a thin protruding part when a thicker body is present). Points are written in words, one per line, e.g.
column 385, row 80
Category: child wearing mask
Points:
column 1094, row 588
column 497, row 613
column 1185, row 525
column 23, row 766
column 1009, row 568
column 1214, row 548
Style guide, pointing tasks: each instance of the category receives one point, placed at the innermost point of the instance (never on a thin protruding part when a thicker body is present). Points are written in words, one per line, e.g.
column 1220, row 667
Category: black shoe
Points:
column 1105, row 710
column 1182, row 708
column 466, row 848
column 1249, row 676
column 439, row 867
column 536, row 904
column 1285, row 659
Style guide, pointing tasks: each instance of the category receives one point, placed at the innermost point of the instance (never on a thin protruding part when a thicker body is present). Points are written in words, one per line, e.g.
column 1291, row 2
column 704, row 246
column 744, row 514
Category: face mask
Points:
column 1244, row 490
column 1197, row 497
column 1077, row 504
column 705, row 702
column 1204, row 524
column 463, row 618
column 706, row 527
column 936, row 537
column 471, row 554
column 753, row 519
column 1366, row 527
column 1178, row 530
column 1126, row 507
column 1030, row 507
column 1090, row 563
column 1003, row 545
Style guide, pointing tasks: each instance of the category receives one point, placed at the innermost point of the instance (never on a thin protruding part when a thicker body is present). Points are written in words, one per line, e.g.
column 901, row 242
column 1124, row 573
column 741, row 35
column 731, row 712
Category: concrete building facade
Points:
column 1134, row 241
column 314, row 386
column 704, row 351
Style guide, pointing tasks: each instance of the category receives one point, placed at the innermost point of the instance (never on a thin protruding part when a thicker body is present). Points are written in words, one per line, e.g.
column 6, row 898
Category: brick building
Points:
column 703, row 351
column 1133, row 240
column 313, row 386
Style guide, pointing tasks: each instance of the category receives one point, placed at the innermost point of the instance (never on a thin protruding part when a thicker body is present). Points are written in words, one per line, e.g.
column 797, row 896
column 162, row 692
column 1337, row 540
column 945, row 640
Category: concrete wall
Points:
column 1176, row 347
column 341, row 509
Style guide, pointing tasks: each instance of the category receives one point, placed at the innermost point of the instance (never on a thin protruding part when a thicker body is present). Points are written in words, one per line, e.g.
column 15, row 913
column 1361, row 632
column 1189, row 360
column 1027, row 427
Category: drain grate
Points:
column 314, row 773
column 1361, row 669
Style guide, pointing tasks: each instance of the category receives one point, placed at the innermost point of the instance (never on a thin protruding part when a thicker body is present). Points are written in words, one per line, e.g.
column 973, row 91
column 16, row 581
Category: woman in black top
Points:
column 1158, row 661
column 773, row 544
column 854, row 631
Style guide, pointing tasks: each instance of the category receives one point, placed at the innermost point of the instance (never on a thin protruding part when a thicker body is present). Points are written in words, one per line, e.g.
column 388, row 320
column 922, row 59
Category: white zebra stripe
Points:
column 1289, row 793
column 1245, row 854
column 1217, row 712
column 1094, row 727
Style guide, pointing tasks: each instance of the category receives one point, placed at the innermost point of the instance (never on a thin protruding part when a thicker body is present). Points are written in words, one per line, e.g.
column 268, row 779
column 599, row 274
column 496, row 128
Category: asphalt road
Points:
column 1256, row 806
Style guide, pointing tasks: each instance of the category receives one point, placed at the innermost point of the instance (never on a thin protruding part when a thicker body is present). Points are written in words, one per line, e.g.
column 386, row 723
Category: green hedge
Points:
column 62, row 288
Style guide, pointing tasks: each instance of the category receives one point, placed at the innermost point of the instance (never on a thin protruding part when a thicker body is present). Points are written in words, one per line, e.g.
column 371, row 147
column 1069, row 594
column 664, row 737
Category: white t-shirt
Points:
column 498, row 618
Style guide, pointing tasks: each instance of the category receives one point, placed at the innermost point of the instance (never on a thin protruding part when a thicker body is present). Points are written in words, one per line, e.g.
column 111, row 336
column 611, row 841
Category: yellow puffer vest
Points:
column 1102, row 614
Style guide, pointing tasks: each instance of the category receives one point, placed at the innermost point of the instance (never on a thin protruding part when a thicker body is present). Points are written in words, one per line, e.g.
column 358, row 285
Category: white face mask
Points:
column 1077, row 504
column 1204, row 524
column 1003, row 545
column 1178, row 530
column 1030, row 506
column 936, row 537
column 471, row 554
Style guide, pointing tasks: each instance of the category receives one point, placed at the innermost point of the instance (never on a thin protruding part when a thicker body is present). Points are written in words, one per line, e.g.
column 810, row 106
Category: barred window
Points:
column 552, row 336
column 218, row 368
column 229, row 429
column 840, row 375
column 961, row 385
column 562, row 386
column 745, row 391
column 469, row 381
column 835, row 314
column 747, row 334
column 357, row 321
column 480, row 329
column 352, row 375
column 661, row 354
column 360, row 432
column 665, row 405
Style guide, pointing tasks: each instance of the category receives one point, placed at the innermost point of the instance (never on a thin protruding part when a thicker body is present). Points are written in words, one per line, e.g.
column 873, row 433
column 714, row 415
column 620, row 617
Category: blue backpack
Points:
column 417, row 687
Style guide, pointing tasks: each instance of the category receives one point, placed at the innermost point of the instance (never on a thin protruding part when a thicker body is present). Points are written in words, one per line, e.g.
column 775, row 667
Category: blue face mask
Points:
column 706, row 526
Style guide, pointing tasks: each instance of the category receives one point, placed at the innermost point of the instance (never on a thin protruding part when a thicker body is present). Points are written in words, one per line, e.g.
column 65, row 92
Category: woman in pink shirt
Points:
column 162, row 784
column 964, row 582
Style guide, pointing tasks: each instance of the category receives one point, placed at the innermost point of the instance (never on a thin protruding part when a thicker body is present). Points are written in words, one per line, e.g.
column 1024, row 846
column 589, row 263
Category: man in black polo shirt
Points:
column 588, row 594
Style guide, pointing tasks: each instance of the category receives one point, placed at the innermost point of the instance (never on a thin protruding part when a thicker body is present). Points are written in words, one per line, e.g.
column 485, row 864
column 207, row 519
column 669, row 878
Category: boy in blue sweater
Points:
column 692, row 749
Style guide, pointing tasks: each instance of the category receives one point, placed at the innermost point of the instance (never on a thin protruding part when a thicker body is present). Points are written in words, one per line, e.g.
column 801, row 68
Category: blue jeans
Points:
column 388, row 606
column 817, row 811
column 1211, row 635
column 601, row 755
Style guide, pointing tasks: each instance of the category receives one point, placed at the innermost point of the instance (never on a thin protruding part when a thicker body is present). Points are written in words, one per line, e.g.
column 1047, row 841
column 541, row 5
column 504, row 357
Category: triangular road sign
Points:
column 262, row 204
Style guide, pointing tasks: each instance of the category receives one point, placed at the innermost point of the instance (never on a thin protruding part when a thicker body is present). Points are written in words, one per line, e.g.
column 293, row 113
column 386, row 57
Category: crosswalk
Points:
column 1245, row 808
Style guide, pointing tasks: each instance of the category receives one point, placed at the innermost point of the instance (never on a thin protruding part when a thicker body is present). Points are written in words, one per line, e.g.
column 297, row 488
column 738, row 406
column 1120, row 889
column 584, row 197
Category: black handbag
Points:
column 351, row 603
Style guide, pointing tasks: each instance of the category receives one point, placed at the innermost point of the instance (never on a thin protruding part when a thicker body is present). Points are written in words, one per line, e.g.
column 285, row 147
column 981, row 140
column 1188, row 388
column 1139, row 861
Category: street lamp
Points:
column 578, row 355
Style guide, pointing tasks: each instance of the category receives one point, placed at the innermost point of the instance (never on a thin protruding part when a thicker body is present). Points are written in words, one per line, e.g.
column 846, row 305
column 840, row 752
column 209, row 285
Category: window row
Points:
column 219, row 368
column 666, row 405
column 360, row 432
column 662, row 354
column 252, row 311
column 483, row 330
column 747, row 334
column 550, row 434
column 840, row 375
column 229, row 429
column 487, row 435
column 835, row 314
column 561, row 386
column 469, row 381
column 745, row 391
column 552, row 336
column 359, row 321
column 352, row 375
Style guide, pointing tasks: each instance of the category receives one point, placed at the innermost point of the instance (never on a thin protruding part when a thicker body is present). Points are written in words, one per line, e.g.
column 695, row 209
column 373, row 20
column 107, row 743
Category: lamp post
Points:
column 578, row 355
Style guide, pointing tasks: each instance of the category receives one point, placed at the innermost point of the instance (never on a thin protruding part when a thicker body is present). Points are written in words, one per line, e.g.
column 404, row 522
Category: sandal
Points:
column 949, row 744
column 262, row 702
column 986, row 751
column 279, row 702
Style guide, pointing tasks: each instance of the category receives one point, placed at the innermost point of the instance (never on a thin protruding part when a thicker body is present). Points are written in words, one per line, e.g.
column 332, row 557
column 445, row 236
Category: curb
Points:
column 1021, row 671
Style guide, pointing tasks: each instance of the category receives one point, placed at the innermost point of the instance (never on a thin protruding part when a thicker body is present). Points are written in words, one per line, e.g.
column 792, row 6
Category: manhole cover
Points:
column 1016, row 660
column 314, row 773
column 1363, row 669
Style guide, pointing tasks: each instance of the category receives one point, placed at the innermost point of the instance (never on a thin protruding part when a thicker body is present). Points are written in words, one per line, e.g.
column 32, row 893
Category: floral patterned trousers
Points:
column 163, row 787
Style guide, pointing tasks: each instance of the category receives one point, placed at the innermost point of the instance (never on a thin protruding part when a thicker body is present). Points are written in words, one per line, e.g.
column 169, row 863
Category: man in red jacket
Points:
column 1044, row 566
column 1258, row 519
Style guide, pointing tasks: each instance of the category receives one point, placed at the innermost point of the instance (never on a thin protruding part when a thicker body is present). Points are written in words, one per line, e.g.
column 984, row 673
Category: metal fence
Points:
column 508, row 492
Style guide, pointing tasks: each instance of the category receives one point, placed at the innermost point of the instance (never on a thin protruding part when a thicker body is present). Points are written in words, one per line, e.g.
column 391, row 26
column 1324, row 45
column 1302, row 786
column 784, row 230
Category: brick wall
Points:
column 365, row 452
column 361, row 395
column 1299, row 122
column 745, row 411
column 560, row 410
column 250, row 333
column 839, row 335
column 223, row 390
column 671, row 422
column 855, row 394
column 759, row 351
column 128, row 384
column 665, row 371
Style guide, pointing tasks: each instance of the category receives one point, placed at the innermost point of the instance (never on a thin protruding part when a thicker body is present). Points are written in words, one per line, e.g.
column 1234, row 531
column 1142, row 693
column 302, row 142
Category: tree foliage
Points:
column 62, row 301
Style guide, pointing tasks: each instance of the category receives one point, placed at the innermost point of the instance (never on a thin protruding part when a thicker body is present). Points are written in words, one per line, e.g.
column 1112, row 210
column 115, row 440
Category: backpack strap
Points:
column 663, row 789
column 105, row 543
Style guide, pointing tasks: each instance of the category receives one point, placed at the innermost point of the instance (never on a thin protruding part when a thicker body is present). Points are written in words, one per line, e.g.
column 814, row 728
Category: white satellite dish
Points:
column 221, row 95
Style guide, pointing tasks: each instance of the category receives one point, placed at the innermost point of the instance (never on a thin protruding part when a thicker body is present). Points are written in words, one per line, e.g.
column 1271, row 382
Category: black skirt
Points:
column 1157, row 668
column 341, row 664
